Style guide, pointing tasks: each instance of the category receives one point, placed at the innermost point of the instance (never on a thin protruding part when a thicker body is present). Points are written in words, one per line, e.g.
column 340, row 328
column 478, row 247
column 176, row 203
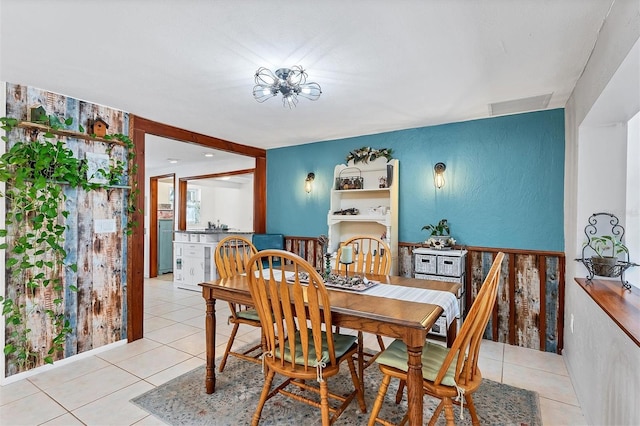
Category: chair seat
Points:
column 342, row 343
column 433, row 356
column 248, row 314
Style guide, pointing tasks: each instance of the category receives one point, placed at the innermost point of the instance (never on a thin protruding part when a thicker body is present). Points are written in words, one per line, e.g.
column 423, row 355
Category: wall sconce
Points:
column 438, row 179
column 307, row 182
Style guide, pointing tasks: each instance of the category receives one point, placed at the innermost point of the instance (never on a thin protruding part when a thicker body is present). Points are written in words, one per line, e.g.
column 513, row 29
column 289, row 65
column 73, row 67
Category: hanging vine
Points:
column 36, row 173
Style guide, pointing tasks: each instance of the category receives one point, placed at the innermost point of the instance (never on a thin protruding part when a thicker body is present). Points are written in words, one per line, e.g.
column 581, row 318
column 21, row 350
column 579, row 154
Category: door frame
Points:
column 138, row 128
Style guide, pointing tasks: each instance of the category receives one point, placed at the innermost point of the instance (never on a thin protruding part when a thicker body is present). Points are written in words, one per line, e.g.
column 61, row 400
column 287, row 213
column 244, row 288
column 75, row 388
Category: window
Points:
column 193, row 206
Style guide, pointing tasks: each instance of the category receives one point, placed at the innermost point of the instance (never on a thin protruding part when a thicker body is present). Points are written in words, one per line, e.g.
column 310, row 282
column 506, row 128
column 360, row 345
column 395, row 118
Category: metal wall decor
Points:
column 350, row 178
column 601, row 253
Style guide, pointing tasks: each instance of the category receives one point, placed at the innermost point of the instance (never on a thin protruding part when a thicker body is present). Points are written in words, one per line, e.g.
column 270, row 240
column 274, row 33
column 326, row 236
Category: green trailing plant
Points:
column 36, row 173
column 605, row 244
column 366, row 154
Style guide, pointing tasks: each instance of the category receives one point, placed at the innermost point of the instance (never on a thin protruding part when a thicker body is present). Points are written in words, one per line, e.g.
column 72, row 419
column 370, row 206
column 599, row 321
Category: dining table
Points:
column 406, row 320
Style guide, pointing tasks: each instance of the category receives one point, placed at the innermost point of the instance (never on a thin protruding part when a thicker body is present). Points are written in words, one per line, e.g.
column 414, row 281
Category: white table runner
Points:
column 445, row 299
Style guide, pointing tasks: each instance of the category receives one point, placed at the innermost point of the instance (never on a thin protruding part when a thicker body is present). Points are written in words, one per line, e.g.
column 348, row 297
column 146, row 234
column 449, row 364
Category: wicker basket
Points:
column 350, row 178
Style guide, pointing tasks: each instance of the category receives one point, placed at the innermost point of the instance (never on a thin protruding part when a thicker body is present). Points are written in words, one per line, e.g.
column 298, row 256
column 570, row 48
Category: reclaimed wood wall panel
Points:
column 97, row 311
column 529, row 309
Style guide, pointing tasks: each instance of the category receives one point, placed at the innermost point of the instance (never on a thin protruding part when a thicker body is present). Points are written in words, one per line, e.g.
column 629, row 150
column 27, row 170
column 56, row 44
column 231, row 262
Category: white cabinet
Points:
column 193, row 264
column 194, row 256
column 442, row 265
column 376, row 206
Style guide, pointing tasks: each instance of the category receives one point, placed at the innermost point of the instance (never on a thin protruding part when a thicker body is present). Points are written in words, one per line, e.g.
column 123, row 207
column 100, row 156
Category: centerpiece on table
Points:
column 440, row 237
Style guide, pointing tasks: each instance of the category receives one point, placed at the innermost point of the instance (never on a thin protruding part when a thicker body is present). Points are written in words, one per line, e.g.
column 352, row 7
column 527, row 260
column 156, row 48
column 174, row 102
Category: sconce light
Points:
column 439, row 169
column 307, row 182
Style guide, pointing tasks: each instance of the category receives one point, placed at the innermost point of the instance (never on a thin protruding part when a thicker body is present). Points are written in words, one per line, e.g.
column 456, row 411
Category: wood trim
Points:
column 138, row 128
column 171, row 132
column 181, row 199
column 622, row 306
column 223, row 174
column 153, row 227
column 135, row 243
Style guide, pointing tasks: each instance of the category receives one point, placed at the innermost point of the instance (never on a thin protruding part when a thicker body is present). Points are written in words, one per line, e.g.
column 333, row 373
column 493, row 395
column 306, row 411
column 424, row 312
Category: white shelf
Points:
column 371, row 196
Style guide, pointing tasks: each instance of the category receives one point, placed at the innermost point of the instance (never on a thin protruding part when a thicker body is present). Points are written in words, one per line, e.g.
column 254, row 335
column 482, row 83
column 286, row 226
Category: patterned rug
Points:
column 183, row 401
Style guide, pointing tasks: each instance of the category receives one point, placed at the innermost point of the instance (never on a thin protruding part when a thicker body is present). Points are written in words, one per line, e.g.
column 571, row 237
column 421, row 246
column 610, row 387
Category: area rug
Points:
column 183, row 401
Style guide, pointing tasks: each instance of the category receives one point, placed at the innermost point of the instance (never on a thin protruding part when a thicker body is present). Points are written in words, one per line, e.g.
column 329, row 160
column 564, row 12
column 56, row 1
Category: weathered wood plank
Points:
column 527, row 302
column 552, row 301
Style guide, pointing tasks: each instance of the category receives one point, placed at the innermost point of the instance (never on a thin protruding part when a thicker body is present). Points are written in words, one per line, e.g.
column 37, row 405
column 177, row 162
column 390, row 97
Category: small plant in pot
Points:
column 607, row 249
column 440, row 234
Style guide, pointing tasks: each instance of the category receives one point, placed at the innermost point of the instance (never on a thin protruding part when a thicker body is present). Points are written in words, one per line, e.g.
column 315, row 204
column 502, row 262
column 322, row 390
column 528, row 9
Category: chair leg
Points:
column 377, row 405
column 380, row 342
column 436, row 413
column 361, row 360
column 448, row 411
column 472, row 409
column 223, row 362
column 263, row 397
column 400, row 392
column 358, row 385
column 324, row 403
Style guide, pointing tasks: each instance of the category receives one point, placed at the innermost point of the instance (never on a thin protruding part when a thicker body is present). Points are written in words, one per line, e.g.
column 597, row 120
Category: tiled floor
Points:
column 96, row 390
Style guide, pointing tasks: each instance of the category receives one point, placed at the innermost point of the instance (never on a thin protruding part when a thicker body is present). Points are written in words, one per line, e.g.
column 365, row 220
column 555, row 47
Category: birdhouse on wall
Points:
column 39, row 115
column 99, row 127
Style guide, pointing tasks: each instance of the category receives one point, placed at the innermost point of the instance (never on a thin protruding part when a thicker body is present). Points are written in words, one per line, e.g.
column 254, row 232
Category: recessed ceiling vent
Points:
column 533, row 103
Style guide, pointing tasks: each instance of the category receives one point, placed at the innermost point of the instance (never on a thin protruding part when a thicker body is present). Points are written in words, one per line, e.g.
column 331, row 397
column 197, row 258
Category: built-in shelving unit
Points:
column 367, row 210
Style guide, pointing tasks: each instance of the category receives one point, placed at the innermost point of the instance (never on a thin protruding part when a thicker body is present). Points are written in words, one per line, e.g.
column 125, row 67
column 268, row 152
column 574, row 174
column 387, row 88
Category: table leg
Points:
column 414, row 385
column 210, row 333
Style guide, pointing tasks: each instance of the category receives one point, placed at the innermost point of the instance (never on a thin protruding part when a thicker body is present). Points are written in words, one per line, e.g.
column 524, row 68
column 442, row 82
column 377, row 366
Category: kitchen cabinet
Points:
column 165, row 246
column 194, row 256
column 364, row 201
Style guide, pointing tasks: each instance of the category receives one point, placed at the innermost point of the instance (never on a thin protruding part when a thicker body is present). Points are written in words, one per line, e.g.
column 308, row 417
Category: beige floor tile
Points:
column 32, row 410
column 156, row 323
column 193, row 344
column 153, row 361
column 558, row 414
column 548, row 385
column 64, row 420
column 175, row 371
column 171, row 333
column 198, row 321
column 127, row 351
column 150, row 420
column 532, row 358
column 16, row 390
column 102, row 412
column 91, row 387
column 184, row 314
column 68, row 372
column 491, row 369
column 493, row 350
column 163, row 308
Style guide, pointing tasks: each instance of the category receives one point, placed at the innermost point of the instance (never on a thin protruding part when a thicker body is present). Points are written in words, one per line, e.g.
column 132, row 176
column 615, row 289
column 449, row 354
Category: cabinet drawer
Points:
column 180, row 237
column 450, row 265
column 193, row 250
column 426, row 263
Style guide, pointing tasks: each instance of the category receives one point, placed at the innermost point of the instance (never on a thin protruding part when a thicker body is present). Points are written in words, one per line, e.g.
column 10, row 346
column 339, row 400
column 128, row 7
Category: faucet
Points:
column 211, row 225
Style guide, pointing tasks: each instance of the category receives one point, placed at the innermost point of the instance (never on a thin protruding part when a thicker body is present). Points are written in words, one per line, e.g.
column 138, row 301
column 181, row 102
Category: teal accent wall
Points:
column 504, row 181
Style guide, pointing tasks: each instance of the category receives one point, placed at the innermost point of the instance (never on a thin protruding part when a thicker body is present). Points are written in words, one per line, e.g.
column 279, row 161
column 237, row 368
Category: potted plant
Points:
column 606, row 248
column 440, row 234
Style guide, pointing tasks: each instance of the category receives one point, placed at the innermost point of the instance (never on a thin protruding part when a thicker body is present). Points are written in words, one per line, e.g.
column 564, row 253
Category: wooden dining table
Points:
column 399, row 319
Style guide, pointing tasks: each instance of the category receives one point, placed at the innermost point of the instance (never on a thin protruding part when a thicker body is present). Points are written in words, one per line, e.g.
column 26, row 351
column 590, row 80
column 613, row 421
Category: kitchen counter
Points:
column 207, row 236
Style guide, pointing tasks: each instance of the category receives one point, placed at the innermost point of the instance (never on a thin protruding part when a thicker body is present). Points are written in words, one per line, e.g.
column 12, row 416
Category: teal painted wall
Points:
column 504, row 181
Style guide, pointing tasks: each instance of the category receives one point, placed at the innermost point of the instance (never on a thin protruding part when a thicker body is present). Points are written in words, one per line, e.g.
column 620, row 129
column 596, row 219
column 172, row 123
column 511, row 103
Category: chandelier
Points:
column 289, row 82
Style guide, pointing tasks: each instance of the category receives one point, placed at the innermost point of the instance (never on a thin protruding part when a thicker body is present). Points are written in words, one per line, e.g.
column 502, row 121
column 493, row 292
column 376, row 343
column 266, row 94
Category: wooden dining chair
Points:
column 231, row 256
column 448, row 373
column 371, row 255
column 293, row 305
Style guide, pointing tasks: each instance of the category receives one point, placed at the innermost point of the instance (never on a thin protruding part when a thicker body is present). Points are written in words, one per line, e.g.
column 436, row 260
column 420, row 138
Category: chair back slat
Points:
column 288, row 306
column 465, row 349
column 371, row 255
column 232, row 254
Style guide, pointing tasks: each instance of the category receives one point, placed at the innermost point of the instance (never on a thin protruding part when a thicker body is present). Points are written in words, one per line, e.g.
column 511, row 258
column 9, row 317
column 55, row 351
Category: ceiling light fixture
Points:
column 289, row 82
column 172, row 160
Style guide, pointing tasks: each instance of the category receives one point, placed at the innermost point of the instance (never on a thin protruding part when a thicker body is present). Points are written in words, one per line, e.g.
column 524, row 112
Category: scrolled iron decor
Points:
column 603, row 236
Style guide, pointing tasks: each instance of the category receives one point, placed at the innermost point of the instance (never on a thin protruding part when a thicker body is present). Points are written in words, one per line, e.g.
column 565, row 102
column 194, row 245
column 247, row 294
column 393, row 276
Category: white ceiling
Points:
column 382, row 65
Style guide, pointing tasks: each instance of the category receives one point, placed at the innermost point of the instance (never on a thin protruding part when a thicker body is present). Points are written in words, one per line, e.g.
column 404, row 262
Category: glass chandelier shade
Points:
column 289, row 82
